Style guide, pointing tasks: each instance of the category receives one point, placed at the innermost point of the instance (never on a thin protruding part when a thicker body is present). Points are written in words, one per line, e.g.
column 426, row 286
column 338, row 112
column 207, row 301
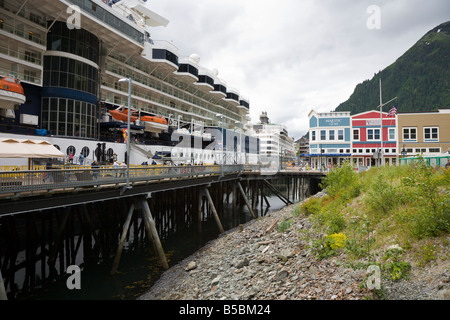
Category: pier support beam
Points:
column 213, row 208
column 2, row 288
column 153, row 233
column 246, row 200
column 126, row 226
column 278, row 193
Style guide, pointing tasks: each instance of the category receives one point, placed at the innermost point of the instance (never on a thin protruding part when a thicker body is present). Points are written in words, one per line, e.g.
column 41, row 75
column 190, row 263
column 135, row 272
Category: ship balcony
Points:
column 163, row 53
column 187, row 72
column 220, row 89
column 31, row 36
column 244, row 104
column 205, row 82
column 232, row 96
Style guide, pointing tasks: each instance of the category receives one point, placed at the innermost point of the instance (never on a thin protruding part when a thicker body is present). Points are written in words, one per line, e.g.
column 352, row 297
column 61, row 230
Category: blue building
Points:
column 329, row 138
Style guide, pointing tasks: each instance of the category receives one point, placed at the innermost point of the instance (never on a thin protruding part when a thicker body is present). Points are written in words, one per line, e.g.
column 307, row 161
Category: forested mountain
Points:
column 420, row 78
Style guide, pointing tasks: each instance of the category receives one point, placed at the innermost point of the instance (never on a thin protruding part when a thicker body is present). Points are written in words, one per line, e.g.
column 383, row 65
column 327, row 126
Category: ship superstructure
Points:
column 70, row 55
column 275, row 142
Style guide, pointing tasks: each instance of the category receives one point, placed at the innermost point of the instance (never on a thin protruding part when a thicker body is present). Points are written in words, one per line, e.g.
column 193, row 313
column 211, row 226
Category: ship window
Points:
column 85, row 152
column 71, row 150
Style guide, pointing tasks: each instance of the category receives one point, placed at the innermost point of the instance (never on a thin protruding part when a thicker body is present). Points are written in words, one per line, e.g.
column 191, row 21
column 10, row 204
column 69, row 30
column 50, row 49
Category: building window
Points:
column 391, row 134
column 409, row 134
column 373, row 134
column 331, row 134
column 340, row 134
column 313, row 135
column 356, row 134
column 323, row 135
column 434, row 150
column 431, row 134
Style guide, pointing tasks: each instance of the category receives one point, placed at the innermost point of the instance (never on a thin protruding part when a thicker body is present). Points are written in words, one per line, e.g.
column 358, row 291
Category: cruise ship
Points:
column 276, row 146
column 86, row 65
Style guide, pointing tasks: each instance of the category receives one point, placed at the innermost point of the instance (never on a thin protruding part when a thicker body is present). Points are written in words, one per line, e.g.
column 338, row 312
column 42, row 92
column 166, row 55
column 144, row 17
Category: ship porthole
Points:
column 85, row 152
column 71, row 150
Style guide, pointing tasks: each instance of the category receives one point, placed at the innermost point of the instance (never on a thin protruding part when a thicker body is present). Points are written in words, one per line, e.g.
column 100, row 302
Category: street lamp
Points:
column 240, row 141
column 223, row 154
column 128, row 130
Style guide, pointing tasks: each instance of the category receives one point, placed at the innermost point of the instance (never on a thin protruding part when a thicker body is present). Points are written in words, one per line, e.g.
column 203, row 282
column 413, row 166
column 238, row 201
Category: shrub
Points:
column 296, row 212
column 329, row 245
column 284, row 225
column 330, row 220
column 342, row 181
column 311, row 206
column 382, row 196
column 429, row 215
column 396, row 268
column 336, row 240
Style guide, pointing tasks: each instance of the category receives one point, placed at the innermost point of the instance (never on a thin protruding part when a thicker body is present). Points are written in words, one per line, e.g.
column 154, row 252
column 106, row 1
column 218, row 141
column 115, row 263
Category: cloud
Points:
column 291, row 56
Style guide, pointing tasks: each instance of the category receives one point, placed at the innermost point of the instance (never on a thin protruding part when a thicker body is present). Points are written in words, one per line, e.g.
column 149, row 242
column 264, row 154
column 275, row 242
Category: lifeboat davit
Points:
column 122, row 115
column 11, row 93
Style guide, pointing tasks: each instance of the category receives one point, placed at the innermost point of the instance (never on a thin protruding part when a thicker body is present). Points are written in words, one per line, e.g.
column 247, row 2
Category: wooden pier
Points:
column 82, row 225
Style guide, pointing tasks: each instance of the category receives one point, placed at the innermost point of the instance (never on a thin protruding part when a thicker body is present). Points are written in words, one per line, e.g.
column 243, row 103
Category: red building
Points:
column 369, row 147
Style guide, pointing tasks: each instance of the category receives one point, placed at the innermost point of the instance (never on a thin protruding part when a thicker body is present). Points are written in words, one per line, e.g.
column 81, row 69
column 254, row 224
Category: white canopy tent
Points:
column 27, row 148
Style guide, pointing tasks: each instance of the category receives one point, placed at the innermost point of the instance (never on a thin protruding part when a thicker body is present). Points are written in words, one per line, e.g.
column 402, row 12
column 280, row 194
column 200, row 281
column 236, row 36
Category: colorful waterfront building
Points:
column 374, row 138
column 424, row 133
column 329, row 138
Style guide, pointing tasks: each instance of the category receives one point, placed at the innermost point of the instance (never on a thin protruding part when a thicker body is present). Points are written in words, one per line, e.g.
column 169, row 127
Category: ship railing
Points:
column 102, row 176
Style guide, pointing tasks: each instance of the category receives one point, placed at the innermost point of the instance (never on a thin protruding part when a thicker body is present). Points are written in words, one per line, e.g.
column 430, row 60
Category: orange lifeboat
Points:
column 11, row 92
column 154, row 119
column 122, row 115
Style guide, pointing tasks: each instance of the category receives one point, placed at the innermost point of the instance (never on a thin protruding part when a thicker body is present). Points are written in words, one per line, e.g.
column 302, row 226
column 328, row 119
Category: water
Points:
column 139, row 266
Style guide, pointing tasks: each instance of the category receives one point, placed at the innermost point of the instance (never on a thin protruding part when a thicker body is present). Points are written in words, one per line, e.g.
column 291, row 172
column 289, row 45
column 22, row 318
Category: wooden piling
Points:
column 3, row 295
column 199, row 210
column 278, row 193
column 53, row 252
column 246, row 200
column 153, row 234
column 213, row 208
column 122, row 240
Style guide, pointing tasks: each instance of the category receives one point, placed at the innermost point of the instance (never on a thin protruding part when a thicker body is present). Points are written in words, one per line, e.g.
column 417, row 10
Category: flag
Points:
column 392, row 112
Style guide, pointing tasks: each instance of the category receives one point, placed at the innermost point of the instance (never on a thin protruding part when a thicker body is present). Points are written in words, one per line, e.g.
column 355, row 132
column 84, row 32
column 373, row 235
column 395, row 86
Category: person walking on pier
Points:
column 123, row 167
column 48, row 174
column 116, row 167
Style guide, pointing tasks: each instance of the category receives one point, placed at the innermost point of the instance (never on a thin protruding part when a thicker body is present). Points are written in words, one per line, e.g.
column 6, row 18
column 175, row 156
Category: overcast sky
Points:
column 291, row 56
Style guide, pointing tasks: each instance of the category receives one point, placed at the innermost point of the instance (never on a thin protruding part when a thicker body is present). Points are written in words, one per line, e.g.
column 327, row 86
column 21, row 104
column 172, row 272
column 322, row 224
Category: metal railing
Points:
column 36, row 180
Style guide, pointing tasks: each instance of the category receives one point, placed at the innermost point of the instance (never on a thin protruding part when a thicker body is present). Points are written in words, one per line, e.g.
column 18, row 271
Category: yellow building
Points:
column 426, row 133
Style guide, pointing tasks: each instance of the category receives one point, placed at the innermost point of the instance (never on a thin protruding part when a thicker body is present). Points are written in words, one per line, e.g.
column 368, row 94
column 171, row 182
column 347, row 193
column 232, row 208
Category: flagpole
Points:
column 381, row 121
column 381, row 127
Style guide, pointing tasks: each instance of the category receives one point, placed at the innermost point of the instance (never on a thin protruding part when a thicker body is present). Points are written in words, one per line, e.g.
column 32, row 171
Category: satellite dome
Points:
column 195, row 57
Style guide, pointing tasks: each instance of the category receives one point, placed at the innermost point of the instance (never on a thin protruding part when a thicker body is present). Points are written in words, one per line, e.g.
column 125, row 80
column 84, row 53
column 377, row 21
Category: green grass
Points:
column 405, row 205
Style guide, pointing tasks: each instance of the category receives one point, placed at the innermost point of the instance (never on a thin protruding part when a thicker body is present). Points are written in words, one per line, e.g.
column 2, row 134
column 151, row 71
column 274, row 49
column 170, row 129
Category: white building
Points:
column 274, row 140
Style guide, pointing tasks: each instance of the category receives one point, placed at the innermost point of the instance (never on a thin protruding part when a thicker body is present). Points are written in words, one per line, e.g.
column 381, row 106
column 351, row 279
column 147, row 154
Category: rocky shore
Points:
column 258, row 262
